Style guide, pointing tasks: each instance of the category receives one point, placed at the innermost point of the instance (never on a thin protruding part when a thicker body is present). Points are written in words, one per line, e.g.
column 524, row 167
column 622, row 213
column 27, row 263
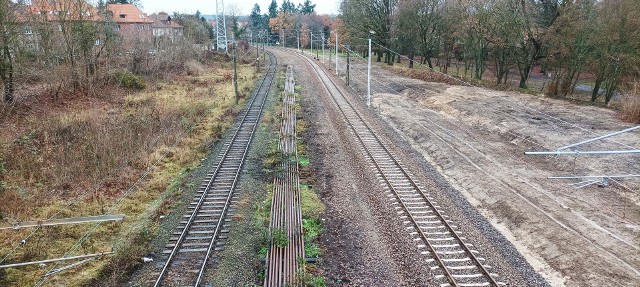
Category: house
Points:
column 47, row 21
column 165, row 30
column 132, row 25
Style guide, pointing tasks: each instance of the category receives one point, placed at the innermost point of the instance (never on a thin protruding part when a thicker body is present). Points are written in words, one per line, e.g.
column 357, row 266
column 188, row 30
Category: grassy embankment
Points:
column 91, row 151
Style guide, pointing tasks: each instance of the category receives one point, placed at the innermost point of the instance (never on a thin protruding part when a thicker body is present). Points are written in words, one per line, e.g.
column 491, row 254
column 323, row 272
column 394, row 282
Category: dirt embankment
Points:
column 476, row 138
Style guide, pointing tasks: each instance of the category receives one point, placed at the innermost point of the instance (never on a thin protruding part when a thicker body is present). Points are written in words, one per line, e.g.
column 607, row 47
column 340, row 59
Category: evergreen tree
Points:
column 273, row 9
column 288, row 7
column 307, row 7
column 256, row 17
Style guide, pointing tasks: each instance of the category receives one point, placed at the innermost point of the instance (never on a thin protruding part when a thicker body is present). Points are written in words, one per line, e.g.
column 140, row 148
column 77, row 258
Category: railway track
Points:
column 451, row 258
column 204, row 226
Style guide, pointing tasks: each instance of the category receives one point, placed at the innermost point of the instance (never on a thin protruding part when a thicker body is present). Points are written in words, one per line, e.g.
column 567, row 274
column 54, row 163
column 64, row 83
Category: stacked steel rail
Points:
column 284, row 256
column 201, row 231
column 450, row 257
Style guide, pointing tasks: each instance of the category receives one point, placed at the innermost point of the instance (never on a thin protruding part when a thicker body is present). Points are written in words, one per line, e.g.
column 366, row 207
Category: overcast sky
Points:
column 244, row 6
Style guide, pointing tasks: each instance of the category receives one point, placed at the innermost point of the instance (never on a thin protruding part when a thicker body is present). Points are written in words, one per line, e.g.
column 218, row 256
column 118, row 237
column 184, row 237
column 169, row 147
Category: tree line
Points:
column 566, row 38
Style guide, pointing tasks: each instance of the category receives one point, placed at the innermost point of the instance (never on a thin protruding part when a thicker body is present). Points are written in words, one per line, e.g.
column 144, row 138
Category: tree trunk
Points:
column 7, row 75
column 596, row 88
column 411, row 56
column 524, row 76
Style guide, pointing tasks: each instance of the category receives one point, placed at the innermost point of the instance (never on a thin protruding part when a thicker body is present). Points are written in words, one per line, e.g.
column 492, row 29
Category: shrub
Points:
column 129, row 81
column 194, row 68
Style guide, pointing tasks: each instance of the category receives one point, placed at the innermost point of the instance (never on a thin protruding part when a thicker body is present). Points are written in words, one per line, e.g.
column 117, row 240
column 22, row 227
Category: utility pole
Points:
column 257, row 55
column 369, row 77
column 235, row 73
column 336, row 53
column 311, row 43
column 348, row 65
column 323, row 47
column 298, row 40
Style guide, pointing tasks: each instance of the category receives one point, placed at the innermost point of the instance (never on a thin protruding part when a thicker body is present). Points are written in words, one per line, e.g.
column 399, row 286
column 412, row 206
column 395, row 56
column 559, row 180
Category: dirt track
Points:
column 476, row 139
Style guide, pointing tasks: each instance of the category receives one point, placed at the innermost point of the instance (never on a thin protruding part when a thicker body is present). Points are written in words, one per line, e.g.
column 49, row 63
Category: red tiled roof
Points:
column 128, row 13
column 64, row 10
column 163, row 20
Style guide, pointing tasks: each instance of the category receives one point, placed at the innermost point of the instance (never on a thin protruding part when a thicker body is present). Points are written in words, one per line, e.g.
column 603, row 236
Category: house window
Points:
column 123, row 16
column 116, row 28
column 59, row 27
column 98, row 42
column 27, row 30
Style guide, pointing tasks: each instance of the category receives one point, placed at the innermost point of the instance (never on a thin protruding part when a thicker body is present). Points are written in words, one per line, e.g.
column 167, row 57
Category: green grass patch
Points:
column 303, row 161
column 312, row 206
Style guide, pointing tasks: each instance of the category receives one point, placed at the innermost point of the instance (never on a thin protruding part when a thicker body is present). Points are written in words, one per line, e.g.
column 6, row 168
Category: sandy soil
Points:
column 476, row 138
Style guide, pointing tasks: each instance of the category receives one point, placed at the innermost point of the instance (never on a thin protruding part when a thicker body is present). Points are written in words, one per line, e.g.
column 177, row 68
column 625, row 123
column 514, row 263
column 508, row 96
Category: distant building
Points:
column 132, row 25
column 165, row 30
column 45, row 21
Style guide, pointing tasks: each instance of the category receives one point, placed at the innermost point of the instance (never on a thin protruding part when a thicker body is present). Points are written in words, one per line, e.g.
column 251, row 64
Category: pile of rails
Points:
column 287, row 245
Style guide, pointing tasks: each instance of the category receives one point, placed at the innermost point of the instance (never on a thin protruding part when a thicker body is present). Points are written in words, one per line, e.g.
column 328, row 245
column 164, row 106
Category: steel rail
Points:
column 174, row 251
column 450, row 229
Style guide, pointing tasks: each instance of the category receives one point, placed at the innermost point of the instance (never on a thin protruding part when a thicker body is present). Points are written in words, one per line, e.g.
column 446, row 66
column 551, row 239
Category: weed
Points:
column 303, row 161
column 312, row 227
column 280, row 238
column 312, row 250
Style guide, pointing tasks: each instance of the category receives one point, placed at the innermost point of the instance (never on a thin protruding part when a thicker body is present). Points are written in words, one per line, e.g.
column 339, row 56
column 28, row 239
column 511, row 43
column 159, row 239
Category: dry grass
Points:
column 631, row 108
column 425, row 75
column 50, row 156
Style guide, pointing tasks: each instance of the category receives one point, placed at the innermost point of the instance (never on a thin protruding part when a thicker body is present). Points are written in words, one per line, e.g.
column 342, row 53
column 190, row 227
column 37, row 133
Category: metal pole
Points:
column 235, row 74
column 599, row 138
column 369, row 77
column 336, row 53
column 323, row 47
column 593, row 176
column 55, row 260
column 311, row 43
column 62, row 221
column 348, row 66
column 582, row 152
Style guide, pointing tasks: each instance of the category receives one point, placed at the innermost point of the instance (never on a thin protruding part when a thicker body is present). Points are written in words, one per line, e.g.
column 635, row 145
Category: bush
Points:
column 129, row 80
column 194, row 68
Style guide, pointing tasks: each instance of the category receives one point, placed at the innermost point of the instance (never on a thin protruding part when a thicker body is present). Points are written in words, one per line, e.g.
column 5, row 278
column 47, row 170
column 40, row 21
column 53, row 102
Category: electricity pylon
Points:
column 221, row 27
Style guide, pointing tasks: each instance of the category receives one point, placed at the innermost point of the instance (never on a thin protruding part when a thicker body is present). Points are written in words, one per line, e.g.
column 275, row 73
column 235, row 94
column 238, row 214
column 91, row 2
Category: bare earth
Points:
column 476, row 138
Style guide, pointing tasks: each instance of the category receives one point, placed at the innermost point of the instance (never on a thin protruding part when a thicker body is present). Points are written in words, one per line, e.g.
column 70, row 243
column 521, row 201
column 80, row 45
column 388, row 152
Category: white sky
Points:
column 244, row 6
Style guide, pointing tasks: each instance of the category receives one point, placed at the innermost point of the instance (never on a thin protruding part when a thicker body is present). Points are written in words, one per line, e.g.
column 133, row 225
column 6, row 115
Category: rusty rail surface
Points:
column 287, row 245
